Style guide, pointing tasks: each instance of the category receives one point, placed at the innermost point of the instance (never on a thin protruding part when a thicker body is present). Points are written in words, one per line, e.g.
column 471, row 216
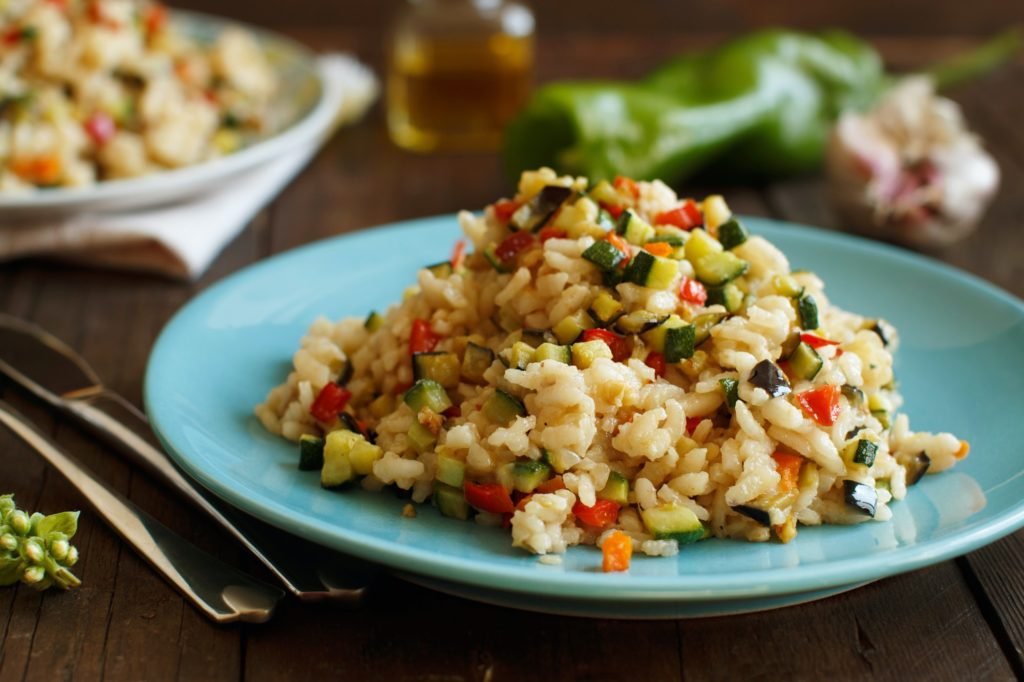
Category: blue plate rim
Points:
column 734, row 585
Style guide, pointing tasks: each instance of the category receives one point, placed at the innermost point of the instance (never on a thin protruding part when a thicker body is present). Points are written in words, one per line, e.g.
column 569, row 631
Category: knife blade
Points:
column 49, row 369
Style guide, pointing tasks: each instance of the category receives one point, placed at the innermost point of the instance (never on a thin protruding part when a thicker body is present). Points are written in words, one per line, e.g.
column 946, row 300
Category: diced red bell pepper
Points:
column 458, row 254
column 618, row 345
column 692, row 291
column 488, row 497
column 453, row 411
column 551, row 232
column 627, row 186
column 692, row 423
column 155, row 18
column 511, row 245
column 603, row 514
column 821, row 404
column 817, row 342
column 504, row 209
column 422, row 338
column 100, row 127
column 329, row 402
column 656, row 361
column 613, row 210
column 550, row 485
column 686, row 216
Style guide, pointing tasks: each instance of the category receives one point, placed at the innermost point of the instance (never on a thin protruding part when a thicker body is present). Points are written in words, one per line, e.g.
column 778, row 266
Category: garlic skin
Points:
column 909, row 170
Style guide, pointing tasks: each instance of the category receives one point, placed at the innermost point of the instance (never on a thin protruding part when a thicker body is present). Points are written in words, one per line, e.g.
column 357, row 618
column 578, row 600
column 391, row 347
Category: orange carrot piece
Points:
column 616, row 551
column 965, row 448
column 788, row 465
column 658, row 248
column 619, row 243
column 550, row 485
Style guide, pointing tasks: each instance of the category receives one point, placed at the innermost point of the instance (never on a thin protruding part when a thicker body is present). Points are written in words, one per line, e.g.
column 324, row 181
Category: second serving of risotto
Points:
column 611, row 365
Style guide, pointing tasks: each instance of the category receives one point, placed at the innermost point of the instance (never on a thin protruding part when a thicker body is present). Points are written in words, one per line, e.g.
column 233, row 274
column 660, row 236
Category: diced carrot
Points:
column 965, row 448
column 619, row 243
column 658, row 248
column 788, row 465
column 616, row 551
column 627, row 186
column 458, row 254
column 550, row 485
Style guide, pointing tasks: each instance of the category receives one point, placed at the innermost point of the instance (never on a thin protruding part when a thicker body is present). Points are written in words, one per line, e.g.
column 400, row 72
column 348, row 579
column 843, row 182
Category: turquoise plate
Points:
column 959, row 368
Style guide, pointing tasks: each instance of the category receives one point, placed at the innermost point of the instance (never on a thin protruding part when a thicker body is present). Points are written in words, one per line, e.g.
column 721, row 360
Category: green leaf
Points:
column 64, row 522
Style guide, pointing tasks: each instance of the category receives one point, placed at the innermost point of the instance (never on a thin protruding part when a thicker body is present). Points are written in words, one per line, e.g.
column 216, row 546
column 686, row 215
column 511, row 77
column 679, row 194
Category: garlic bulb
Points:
column 909, row 170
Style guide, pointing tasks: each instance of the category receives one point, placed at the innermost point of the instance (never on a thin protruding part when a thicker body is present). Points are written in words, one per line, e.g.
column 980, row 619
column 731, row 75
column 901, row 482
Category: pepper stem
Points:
column 977, row 62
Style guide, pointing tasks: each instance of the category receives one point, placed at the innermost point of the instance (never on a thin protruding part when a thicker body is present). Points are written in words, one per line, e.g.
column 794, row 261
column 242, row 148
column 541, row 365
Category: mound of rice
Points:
column 771, row 408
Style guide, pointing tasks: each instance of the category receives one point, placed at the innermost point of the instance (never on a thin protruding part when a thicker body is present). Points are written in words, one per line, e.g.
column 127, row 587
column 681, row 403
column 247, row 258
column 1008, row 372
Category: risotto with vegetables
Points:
column 95, row 90
column 611, row 365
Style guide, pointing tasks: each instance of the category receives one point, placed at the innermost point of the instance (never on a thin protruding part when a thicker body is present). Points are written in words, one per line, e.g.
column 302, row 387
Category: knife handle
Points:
column 223, row 593
column 308, row 571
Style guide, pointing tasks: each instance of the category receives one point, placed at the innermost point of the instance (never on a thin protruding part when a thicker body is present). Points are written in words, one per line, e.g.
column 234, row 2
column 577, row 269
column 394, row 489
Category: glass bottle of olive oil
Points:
column 460, row 70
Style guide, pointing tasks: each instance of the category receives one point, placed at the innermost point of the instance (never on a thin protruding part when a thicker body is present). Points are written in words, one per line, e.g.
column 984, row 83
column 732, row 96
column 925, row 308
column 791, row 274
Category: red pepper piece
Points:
column 821, row 404
column 488, row 497
column 693, row 422
column 603, row 514
column 100, row 127
column 551, row 232
column 686, row 216
column 458, row 254
column 613, row 210
column 504, row 209
column 329, row 402
column 627, row 186
column 656, row 361
column 422, row 339
column 692, row 291
column 511, row 245
column 618, row 345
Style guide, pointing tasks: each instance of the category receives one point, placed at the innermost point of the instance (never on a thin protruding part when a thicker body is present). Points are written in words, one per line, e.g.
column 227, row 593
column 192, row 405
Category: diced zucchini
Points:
column 520, row 355
column 605, row 308
column 535, row 214
column 612, row 278
column 731, row 389
column 584, row 353
column 503, row 408
column 570, row 328
column 344, row 373
column 616, row 489
column 311, row 453
column 786, row 285
column 429, row 394
column 528, row 474
column 373, row 321
column 534, row 337
column 730, row 296
column 860, row 497
column 439, row 366
column 602, row 254
column 700, row 244
column 604, row 193
column 884, row 331
column 703, row 324
column 605, row 219
column 552, row 351
column 422, row 438
column 475, row 362
column 673, row 522
column 362, row 456
column 790, row 344
column 639, row 321
column 651, row 271
column 337, row 469
column 634, row 228
column 863, row 452
column 853, row 394
column 441, row 270
column 807, row 307
column 450, row 471
column 805, row 362
column 670, row 239
column 716, row 269
column 761, row 516
column 451, row 501
column 880, row 409
column 674, row 338
column 492, row 258
column 732, row 233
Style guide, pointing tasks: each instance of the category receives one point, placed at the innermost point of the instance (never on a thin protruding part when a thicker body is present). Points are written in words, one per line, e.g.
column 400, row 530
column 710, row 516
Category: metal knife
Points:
column 49, row 369
column 223, row 593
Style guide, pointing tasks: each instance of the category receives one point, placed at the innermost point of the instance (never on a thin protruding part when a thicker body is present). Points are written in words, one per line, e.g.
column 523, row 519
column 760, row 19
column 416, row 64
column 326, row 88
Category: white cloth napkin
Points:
column 181, row 241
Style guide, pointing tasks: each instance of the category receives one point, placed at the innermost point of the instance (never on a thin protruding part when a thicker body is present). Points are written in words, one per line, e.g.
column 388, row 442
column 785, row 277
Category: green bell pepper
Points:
column 757, row 107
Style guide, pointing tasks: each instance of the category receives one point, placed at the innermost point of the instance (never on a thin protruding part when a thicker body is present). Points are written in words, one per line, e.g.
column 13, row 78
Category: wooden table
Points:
column 961, row 619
